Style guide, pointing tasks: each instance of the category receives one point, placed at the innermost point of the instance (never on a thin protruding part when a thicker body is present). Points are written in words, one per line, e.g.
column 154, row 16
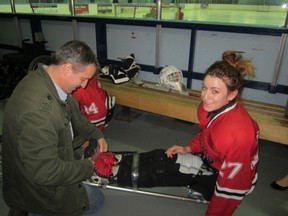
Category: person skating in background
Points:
column 179, row 15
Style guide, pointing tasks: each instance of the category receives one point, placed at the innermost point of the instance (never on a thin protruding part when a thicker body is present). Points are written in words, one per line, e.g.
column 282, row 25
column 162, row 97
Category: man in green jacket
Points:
column 42, row 128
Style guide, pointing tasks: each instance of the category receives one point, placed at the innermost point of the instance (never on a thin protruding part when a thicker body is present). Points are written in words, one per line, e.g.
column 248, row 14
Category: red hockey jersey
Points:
column 92, row 101
column 229, row 141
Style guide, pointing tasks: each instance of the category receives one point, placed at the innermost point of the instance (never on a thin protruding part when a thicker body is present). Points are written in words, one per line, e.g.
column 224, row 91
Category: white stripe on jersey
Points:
column 229, row 193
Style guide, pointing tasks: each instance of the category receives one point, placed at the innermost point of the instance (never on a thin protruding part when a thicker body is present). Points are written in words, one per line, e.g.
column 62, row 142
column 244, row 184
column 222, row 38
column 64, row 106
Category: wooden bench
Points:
column 273, row 125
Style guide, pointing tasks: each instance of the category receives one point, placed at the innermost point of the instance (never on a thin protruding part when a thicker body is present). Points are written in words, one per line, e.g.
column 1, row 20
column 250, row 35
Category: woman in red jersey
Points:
column 228, row 137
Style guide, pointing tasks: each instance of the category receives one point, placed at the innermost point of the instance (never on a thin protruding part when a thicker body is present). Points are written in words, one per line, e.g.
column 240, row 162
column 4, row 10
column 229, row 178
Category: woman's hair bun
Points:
column 235, row 59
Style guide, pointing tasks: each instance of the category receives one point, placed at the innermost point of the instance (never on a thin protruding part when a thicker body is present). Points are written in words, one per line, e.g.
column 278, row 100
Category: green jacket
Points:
column 40, row 172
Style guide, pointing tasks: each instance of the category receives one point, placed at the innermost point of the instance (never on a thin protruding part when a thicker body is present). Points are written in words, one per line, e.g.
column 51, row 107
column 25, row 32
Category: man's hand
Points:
column 85, row 144
column 102, row 145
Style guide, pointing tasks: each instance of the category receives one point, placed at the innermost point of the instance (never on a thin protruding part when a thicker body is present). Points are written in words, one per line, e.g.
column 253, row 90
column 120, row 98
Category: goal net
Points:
column 263, row 6
column 141, row 10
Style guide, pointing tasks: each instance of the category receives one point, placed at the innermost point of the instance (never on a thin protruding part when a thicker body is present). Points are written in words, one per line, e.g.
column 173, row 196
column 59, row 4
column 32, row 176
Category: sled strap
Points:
column 135, row 170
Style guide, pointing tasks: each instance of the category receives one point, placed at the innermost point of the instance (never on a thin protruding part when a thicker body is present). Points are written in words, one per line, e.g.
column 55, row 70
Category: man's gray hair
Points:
column 77, row 53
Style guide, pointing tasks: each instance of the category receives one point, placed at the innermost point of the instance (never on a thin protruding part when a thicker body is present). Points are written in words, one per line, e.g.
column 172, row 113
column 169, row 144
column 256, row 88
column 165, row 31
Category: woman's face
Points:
column 215, row 93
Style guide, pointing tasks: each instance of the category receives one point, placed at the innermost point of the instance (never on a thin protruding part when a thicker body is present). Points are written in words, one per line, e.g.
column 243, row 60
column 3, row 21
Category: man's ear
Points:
column 67, row 68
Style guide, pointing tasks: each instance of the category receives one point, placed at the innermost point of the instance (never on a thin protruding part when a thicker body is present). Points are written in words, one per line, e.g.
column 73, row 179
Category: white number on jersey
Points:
column 92, row 109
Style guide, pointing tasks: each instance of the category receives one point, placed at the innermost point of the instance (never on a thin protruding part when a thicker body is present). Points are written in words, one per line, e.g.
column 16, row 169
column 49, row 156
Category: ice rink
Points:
column 261, row 15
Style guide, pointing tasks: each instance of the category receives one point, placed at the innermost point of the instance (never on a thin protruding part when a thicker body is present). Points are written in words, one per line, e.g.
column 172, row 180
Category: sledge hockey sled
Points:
column 103, row 183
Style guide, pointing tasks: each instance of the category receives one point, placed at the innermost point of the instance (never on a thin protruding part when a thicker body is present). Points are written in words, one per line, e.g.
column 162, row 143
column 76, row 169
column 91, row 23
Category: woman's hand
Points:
column 177, row 149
